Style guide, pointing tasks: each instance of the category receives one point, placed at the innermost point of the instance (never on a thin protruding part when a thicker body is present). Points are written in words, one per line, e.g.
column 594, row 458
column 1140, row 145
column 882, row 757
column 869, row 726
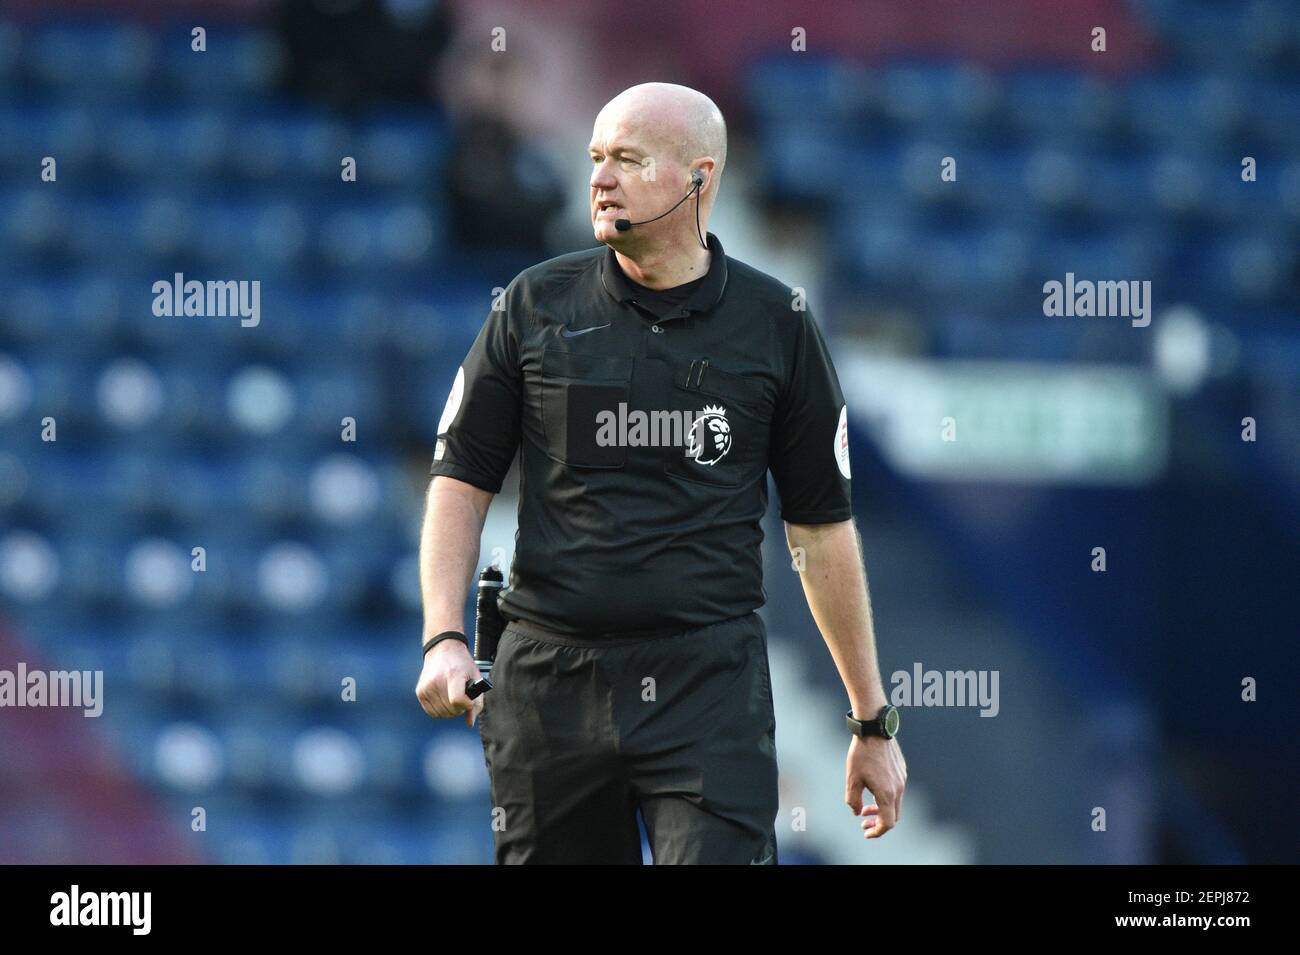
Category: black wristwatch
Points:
column 884, row 724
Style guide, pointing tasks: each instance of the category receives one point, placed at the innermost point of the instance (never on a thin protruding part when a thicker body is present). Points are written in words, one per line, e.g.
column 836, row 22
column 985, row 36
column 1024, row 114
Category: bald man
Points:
column 649, row 386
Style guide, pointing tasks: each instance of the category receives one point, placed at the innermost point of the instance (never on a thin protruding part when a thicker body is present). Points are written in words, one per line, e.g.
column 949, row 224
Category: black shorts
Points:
column 578, row 734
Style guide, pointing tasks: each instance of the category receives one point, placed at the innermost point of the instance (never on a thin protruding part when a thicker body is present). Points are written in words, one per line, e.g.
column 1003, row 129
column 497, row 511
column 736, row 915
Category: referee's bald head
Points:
column 679, row 128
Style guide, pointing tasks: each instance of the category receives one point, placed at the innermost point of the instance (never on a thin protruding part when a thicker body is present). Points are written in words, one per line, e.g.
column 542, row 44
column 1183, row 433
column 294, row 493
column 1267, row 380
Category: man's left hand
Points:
column 877, row 765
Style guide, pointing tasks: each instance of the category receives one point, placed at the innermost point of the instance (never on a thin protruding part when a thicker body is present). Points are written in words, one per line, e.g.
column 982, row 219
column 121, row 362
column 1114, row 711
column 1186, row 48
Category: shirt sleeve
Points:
column 478, row 433
column 810, row 436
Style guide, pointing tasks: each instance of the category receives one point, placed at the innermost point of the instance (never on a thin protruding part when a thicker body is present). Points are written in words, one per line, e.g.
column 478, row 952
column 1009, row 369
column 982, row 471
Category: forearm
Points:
column 449, row 544
column 835, row 583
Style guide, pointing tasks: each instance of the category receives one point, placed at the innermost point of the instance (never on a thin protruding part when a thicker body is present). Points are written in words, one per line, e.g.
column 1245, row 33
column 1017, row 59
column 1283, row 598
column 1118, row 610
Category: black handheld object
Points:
column 488, row 625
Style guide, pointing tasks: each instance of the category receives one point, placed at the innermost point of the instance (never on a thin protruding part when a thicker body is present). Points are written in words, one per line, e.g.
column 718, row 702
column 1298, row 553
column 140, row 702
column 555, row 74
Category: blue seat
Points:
column 791, row 154
column 1057, row 106
column 1275, row 109
column 1101, row 256
column 938, row 99
column 1119, row 186
column 784, row 88
column 882, row 251
column 69, row 477
column 401, row 149
column 1251, row 265
column 91, row 58
column 237, row 63
column 1158, row 107
column 27, row 132
column 37, row 221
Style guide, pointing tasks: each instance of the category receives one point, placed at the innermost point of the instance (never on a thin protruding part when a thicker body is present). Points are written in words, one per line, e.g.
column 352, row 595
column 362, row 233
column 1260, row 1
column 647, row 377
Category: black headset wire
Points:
column 698, row 184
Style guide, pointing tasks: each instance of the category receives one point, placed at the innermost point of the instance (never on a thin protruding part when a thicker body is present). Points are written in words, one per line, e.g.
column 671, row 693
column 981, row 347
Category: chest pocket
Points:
column 726, row 446
column 576, row 390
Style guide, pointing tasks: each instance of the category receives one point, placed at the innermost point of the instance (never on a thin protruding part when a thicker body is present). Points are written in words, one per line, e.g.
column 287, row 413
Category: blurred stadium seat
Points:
column 176, row 433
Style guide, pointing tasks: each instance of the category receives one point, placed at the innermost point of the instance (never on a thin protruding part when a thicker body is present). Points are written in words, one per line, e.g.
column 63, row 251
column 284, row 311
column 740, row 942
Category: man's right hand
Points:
column 441, row 690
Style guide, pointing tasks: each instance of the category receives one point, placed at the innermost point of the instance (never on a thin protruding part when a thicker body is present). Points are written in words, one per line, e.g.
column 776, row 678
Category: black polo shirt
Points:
column 660, row 302
column 645, row 439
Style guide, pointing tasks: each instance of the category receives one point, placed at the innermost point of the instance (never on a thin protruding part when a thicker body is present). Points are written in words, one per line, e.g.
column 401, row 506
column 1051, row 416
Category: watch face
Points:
column 891, row 721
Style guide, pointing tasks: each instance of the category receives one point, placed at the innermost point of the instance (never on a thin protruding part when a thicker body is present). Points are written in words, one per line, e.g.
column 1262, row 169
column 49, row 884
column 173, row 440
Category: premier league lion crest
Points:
column 710, row 436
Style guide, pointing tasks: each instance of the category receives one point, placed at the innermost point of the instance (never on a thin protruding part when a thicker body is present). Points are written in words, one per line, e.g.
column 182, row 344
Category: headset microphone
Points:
column 697, row 178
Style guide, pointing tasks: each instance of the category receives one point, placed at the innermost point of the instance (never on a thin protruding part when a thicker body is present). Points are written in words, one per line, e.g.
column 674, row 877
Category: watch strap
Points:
column 875, row 726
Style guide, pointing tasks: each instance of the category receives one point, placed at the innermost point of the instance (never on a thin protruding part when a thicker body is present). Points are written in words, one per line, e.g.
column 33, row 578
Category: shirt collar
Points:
column 705, row 296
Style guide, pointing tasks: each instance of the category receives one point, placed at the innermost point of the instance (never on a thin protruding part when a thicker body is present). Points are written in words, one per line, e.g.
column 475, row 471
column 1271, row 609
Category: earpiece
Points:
column 697, row 182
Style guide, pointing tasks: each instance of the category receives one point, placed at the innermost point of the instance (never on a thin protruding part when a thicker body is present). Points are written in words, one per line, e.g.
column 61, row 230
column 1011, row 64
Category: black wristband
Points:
column 446, row 635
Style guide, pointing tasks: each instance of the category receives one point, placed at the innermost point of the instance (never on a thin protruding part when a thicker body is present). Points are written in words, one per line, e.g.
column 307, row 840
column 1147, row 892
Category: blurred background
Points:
column 1119, row 689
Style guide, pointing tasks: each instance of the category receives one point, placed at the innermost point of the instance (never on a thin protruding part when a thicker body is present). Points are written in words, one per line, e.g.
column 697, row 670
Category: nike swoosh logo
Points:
column 569, row 333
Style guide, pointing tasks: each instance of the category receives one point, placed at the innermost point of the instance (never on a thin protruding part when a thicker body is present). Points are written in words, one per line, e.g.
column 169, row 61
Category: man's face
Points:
column 630, row 179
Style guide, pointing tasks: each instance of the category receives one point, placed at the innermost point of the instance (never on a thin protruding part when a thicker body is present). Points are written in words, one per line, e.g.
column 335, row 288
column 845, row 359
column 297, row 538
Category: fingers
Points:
column 853, row 787
column 472, row 713
column 433, row 695
column 902, row 780
column 424, row 692
column 458, row 700
column 882, row 773
column 869, row 820
column 878, row 819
